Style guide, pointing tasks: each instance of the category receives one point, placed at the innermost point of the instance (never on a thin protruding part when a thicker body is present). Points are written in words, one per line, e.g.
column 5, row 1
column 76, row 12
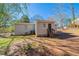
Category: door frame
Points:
column 49, row 29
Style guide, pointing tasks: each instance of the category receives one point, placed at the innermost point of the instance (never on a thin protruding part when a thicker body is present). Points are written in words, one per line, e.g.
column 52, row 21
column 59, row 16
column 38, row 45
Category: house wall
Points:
column 41, row 28
column 19, row 29
column 22, row 29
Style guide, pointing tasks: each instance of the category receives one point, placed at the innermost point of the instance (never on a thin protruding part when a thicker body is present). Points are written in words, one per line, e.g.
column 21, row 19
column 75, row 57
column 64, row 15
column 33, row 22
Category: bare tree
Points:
column 60, row 14
column 72, row 11
column 37, row 17
column 73, row 14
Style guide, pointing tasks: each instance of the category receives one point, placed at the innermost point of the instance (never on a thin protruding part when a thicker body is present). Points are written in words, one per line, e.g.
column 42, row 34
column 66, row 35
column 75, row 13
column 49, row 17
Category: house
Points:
column 75, row 23
column 43, row 27
column 24, row 28
column 40, row 28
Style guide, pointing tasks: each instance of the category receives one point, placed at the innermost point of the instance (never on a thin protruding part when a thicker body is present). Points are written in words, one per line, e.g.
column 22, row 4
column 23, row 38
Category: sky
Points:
column 43, row 10
column 46, row 10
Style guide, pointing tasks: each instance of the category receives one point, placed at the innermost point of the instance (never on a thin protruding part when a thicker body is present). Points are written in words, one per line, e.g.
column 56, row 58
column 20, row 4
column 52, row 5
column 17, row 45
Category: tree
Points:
column 72, row 11
column 60, row 14
column 9, row 12
column 36, row 17
column 4, row 15
column 25, row 19
column 16, row 9
column 73, row 15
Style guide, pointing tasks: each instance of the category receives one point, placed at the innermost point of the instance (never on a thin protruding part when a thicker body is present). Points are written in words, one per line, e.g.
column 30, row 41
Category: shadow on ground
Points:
column 62, row 35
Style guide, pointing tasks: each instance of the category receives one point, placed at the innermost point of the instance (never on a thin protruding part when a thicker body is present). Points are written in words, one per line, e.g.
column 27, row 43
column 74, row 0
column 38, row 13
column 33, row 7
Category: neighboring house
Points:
column 24, row 28
column 41, row 28
column 75, row 23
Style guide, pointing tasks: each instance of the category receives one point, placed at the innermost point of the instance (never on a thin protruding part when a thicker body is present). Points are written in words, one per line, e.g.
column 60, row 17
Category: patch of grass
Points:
column 4, row 42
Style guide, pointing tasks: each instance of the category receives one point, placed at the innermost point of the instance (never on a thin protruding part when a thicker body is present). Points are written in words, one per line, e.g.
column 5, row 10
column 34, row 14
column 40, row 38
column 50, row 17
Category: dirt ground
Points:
column 64, row 43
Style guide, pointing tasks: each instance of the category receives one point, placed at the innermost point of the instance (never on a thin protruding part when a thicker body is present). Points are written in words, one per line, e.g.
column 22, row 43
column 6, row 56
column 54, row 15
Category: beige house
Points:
column 42, row 27
column 24, row 28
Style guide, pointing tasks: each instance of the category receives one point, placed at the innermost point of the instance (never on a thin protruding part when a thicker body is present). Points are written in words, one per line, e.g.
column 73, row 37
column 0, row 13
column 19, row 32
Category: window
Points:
column 44, row 25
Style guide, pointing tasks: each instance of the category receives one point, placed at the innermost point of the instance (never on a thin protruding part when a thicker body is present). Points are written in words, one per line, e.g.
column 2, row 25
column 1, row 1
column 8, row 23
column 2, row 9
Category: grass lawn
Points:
column 4, row 42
